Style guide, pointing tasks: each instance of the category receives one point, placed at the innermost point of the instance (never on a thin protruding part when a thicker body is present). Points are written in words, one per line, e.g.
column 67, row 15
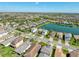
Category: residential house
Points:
column 46, row 50
column 76, row 37
column 5, row 37
column 59, row 51
column 50, row 41
column 25, row 46
column 17, row 42
column 60, row 35
column 33, row 50
column 74, row 53
column 40, row 29
column 44, row 32
column 2, row 31
column 34, row 30
column 1, row 39
column 68, row 36
column 52, row 34
column 43, row 55
column 7, row 42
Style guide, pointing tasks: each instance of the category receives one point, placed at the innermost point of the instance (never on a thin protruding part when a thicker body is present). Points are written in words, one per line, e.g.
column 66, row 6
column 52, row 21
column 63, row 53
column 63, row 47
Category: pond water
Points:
column 59, row 28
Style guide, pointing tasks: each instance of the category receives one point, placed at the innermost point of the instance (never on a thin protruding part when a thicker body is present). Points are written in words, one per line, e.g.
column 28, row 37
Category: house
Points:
column 1, row 40
column 43, row 55
column 60, row 35
column 76, row 37
column 44, row 32
column 40, row 29
column 52, row 34
column 5, row 37
column 33, row 50
column 68, row 36
column 74, row 53
column 44, row 40
column 59, row 51
column 25, row 46
column 17, row 42
column 65, row 22
column 34, row 30
column 2, row 31
column 8, row 41
column 47, row 50
column 50, row 41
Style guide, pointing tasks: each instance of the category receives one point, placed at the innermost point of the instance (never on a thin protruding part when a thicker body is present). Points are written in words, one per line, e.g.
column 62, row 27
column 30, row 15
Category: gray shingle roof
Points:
column 26, row 45
column 8, row 41
column 43, row 55
column 74, row 53
column 46, row 49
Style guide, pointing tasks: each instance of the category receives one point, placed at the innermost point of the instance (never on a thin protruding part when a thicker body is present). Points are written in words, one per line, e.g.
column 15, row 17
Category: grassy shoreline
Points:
column 43, row 24
column 66, row 25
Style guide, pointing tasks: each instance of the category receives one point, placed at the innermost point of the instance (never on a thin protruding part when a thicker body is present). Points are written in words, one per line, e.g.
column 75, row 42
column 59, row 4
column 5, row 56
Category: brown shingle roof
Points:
column 33, row 50
column 59, row 52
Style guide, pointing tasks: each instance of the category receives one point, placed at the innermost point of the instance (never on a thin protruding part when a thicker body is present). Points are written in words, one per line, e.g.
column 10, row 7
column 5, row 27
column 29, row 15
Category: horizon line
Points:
column 33, row 12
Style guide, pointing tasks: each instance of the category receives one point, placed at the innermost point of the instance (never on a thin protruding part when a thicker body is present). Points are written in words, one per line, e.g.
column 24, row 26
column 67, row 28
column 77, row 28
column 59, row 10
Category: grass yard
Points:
column 74, row 43
column 43, row 44
column 7, row 51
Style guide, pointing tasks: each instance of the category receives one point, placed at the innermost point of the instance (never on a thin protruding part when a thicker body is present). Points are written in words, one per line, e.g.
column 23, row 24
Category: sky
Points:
column 71, row 7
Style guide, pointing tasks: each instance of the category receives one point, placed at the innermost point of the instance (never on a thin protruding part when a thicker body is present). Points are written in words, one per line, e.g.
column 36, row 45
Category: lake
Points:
column 59, row 28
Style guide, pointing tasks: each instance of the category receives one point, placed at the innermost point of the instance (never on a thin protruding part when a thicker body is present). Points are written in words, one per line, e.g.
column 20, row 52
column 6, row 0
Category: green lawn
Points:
column 42, row 24
column 7, row 51
column 43, row 44
column 65, row 50
column 34, row 41
column 74, row 43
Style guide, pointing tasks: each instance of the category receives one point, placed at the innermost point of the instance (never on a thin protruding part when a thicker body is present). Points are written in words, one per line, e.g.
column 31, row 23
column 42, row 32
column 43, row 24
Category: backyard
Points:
column 7, row 51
